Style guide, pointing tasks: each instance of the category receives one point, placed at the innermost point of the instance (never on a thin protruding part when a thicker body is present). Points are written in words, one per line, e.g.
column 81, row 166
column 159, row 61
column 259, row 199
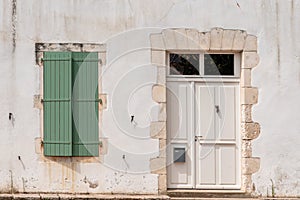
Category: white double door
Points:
column 203, row 122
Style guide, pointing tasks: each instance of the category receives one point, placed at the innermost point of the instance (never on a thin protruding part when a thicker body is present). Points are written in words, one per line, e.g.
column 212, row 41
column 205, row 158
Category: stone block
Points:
column 158, row 130
column 250, row 43
column 216, row 35
column 159, row 93
column 250, row 131
column 249, row 95
column 250, row 165
column 246, row 78
column 38, row 145
column 181, row 39
column 227, row 39
column 103, row 146
column 247, row 183
column 162, row 183
column 103, row 104
column 204, row 41
column 249, row 60
column 193, row 39
column 157, row 42
column 162, row 147
column 162, row 115
column 158, row 58
column 102, row 57
column 169, row 39
column 39, row 58
column 246, row 149
column 246, row 113
column 158, row 165
column 37, row 101
column 239, row 40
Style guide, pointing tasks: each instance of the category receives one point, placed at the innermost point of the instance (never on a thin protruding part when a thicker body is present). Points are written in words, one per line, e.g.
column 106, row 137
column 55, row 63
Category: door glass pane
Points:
column 184, row 64
column 219, row 64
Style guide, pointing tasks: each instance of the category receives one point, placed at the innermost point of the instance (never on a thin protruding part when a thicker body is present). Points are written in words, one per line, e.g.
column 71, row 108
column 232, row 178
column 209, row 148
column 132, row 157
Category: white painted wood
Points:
column 213, row 160
column 179, row 129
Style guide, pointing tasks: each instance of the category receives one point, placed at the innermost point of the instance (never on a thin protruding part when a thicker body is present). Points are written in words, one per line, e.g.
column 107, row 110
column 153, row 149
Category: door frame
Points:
column 192, row 145
column 219, row 39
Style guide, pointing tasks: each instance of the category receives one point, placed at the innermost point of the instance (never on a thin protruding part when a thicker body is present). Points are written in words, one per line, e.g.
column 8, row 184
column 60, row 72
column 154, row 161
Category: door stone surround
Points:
column 217, row 39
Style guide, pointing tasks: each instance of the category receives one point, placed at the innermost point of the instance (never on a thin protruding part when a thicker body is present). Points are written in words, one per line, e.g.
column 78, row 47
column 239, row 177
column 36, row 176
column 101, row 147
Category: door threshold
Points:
column 207, row 193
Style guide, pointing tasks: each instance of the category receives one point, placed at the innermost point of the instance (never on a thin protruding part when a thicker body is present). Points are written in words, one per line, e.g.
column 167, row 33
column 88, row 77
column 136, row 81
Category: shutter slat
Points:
column 57, row 114
column 85, row 113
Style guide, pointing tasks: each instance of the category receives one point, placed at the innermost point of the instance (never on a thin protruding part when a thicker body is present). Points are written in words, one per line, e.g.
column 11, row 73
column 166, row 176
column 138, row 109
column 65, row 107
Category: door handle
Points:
column 198, row 137
column 217, row 108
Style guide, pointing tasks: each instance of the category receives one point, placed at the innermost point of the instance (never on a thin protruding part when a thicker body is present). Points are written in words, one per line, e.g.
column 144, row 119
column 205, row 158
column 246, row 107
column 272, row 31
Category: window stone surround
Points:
column 217, row 39
column 40, row 48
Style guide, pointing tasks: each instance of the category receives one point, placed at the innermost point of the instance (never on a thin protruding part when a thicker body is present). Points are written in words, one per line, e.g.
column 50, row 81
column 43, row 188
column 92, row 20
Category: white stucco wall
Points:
column 125, row 25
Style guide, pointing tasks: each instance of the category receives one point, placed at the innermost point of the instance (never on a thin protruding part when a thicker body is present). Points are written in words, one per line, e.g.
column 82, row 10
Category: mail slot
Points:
column 179, row 154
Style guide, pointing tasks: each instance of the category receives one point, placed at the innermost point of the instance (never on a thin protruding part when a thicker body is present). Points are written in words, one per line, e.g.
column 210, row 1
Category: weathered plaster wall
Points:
column 125, row 26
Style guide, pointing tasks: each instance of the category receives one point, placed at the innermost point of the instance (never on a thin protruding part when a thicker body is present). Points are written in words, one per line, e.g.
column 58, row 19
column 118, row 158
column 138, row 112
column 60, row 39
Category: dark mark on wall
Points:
column 14, row 23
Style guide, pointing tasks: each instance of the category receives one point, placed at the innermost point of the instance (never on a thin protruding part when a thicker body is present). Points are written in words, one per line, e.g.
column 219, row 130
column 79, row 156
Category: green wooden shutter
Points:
column 57, row 104
column 85, row 104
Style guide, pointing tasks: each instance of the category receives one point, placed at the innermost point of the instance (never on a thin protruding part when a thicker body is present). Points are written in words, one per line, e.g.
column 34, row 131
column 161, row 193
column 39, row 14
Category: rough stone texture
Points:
column 162, row 183
column 204, row 41
column 37, row 102
column 159, row 93
column 181, row 39
column 39, row 58
column 158, row 58
column 227, row 39
column 193, row 39
column 158, row 165
column 38, row 145
column 249, row 59
column 161, row 75
column 158, row 130
column 250, row 165
column 246, row 113
column 249, row 95
column 247, row 183
column 239, row 40
column 162, row 115
column 250, row 131
column 246, row 149
column 251, row 43
column 216, row 35
column 245, row 78
column 169, row 38
column 157, row 42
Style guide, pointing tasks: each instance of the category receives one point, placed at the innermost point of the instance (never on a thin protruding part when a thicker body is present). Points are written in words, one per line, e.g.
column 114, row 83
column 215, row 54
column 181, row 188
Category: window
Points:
column 70, row 87
column 204, row 64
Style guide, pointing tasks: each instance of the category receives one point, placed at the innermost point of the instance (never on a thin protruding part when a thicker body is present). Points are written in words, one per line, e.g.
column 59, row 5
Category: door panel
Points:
column 205, row 119
column 202, row 117
column 227, row 165
column 206, row 160
column 227, row 114
column 179, row 129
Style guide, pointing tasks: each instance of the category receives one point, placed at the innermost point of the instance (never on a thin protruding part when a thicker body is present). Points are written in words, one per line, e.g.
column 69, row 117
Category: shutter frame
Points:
column 85, row 141
column 57, row 104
